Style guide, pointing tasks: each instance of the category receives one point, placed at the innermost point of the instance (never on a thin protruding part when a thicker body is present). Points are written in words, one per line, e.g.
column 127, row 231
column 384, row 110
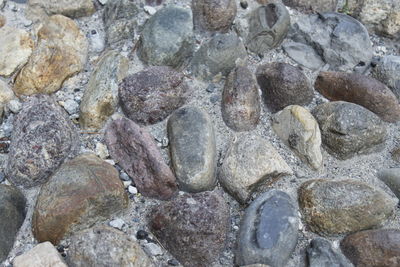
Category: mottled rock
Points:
column 103, row 246
column 320, row 253
column 337, row 39
column 315, row 5
column 332, row 207
column 119, row 20
column 193, row 149
column 359, row 89
column 134, row 149
column 167, row 37
column 373, row 248
column 81, row 192
column 348, row 129
column 69, row 8
column 387, row 71
column 268, row 231
column 268, row 26
column 42, row 255
column 151, row 95
column 15, row 50
column 43, row 137
column 12, row 213
column 60, row 53
column 192, row 227
column 213, row 15
column 282, row 85
column 391, row 177
column 299, row 130
column 100, row 98
column 240, row 100
column 250, row 164
column 6, row 94
column 219, row 55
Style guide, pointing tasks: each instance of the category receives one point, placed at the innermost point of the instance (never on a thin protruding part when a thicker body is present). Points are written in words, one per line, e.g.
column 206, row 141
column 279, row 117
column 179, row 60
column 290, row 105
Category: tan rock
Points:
column 2, row 21
column 42, row 255
column 15, row 49
column 6, row 94
column 69, row 8
column 61, row 52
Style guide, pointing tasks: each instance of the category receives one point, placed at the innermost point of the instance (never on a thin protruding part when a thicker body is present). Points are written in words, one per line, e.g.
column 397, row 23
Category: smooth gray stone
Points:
column 320, row 253
column 387, row 71
column 391, row 177
column 303, row 54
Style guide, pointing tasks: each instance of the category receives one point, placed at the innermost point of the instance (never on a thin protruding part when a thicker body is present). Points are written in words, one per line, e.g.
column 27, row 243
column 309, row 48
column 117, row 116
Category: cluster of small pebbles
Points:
column 199, row 133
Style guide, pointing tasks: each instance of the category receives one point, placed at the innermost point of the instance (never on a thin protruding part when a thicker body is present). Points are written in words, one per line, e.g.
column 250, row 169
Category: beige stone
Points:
column 61, row 52
column 42, row 255
column 69, row 8
column 2, row 21
column 15, row 49
column 6, row 94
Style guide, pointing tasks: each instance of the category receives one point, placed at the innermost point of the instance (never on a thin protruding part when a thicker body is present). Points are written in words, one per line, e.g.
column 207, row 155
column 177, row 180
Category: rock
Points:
column 361, row 90
column 332, row 207
column 395, row 153
column 337, row 39
column 387, row 71
column 299, row 130
column 14, row 105
column 213, row 15
column 60, row 53
column 151, row 95
column 251, row 163
column 103, row 246
column 15, row 50
column 100, row 98
column 134, row 149
column 192, row 227
column 80, row 193
column 43, row 137
column 268, row 26
column 6, row 95
column 268, row 231
column 117, row 223
column 315, row 5
column 43, row 254
column 348, row 129
column 133, row 190
column 119, row 20
column 70, row 105
column 241, row 100
column 12, row 213
column 150, row 10
column 283, row 85
column 320, row 253
column 154, row 2
column 193, row 149
column 373, row 248
column 72, row 9
column 256, row 265
column 167, row 37
column 391, row 177
column 153, row 249
column 219, row 55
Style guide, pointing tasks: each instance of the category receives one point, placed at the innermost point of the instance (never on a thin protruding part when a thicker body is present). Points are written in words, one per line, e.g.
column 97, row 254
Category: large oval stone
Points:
column 213, row 15
column 268, row 232
column 80, row 193
column 192, row 227
column 134, row 149
column 43, row 137
column 332, row 207
column 362, row 90
column 193, row 149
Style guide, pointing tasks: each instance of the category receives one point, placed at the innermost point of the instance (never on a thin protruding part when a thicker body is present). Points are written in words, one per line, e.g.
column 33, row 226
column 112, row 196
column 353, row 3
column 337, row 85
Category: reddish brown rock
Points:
column 240, row 100
column 133, row 148
column 192, row 227
column 81, row 192
column 373, row 248
column 151, row 95
column 361, row 90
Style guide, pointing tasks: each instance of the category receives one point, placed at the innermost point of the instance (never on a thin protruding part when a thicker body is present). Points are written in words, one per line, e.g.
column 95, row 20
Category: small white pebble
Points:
column 132, row 190
column 117, row 223
column 101, row 151
column 127, row 184
column 110, row 161
column 150, row 10
column 153, row 249
column 14, row 105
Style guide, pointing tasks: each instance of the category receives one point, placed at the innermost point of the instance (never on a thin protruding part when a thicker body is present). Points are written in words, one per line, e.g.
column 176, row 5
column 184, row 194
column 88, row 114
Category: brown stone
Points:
column 80, row 193
column 214, row 15
column 240, row 100
column 361, row 90
column 133, row 148
column 373, row 248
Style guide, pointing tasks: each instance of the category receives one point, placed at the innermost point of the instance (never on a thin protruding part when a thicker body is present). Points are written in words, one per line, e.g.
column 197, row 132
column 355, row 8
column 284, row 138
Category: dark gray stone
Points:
column 320, row 253
column 43, row 137
column 12, row 214
column 391, row 177
column 268, row 232
column 193, row 149
column 387, row 71
column 303, row 54
column 218, row 56
column 167, row 37
column 348, row 129
column 268, row 26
